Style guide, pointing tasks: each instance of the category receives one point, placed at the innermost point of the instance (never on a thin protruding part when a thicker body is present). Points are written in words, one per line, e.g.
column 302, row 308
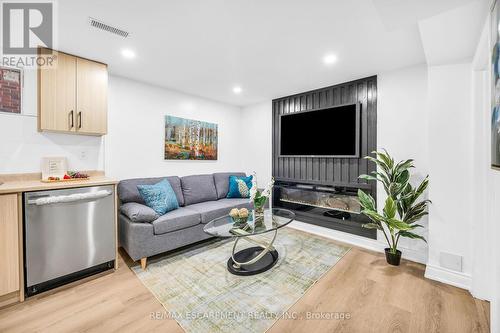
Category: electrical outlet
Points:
column 450, row 261
column 83, row 155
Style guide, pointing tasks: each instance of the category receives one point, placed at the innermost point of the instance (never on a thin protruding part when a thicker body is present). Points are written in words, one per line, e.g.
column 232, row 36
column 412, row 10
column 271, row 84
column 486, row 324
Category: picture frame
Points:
column 188, row 139
column 495, row 86
column 11, row 90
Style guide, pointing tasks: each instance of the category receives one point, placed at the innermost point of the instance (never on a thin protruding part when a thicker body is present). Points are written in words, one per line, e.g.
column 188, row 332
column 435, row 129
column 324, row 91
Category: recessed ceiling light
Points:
column 127, row 53
column 237, row 90
column 330, row 59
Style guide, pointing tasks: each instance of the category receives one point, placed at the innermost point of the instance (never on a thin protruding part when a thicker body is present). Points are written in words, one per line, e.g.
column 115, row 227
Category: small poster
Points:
column 54, row 167
column 10, row 90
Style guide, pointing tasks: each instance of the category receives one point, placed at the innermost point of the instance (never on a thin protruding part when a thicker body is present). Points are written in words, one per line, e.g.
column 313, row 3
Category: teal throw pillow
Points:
column 239, row 187
column 160, row 196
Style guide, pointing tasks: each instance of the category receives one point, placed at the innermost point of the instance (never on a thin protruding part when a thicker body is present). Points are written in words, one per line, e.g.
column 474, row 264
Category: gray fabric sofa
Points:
column 202, row 198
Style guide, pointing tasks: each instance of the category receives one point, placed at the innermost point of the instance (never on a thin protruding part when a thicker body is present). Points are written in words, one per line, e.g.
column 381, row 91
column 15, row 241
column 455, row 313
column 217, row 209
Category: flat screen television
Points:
column 325, row 132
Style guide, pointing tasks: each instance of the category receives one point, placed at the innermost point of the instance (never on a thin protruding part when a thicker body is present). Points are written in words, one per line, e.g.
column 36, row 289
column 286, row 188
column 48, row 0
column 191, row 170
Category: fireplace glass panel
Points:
column 321, row 199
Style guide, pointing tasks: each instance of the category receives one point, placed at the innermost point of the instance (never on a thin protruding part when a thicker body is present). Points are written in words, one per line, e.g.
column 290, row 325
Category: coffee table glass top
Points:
column 272, row 219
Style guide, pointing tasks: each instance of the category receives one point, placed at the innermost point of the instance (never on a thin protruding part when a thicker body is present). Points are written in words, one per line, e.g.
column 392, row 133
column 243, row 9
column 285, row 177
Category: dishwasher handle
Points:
column 40, row 201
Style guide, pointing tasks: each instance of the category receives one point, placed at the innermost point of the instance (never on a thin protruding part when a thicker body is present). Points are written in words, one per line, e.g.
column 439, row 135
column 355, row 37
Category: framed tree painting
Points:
column 10, row 89
column 187, row 139
column 495, row 92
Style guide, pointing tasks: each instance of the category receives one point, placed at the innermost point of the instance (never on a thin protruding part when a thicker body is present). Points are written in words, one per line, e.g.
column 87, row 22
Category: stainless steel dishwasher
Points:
column 68, row 234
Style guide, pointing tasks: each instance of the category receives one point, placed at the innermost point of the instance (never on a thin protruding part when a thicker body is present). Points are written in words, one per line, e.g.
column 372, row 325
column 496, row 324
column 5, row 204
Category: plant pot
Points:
column 392, row 259
column 259, row 207
column 259, row 211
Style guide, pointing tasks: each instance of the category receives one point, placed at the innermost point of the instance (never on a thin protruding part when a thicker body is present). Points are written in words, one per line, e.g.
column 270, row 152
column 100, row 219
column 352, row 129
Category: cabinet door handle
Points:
column 80, row 119
column 71, row 119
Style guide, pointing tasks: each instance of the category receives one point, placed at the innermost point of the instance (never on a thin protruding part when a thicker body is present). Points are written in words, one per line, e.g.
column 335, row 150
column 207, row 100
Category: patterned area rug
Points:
column 196, row 289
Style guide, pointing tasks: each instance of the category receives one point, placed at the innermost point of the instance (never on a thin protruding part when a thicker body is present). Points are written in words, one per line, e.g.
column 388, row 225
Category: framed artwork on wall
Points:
column 187, row 139
column 495, row 92
column 10, row 89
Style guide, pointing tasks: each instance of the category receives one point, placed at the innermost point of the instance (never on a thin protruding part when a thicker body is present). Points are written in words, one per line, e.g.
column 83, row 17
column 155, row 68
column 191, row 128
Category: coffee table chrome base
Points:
column 265, row 263
column 253, row 260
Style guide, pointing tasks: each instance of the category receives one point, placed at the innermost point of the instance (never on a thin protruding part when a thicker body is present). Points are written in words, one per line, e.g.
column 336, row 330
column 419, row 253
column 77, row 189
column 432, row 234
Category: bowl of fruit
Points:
column 68, row 176
column 76, row 175
column 239, row 216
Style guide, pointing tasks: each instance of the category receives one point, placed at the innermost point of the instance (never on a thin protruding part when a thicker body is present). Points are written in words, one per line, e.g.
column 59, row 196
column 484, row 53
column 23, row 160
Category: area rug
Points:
column 196, row 289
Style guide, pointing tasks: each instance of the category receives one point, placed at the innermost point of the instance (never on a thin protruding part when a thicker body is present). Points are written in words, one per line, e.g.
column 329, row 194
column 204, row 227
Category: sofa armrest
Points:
column 138, row 213
column 135, row 238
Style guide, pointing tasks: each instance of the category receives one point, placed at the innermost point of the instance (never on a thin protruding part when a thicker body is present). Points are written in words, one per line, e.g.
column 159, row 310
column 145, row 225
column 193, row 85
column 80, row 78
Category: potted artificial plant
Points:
column 402, row 210
column 259, row 197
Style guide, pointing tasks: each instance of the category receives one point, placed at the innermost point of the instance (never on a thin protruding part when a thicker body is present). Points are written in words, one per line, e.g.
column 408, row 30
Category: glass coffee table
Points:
column 259, row 258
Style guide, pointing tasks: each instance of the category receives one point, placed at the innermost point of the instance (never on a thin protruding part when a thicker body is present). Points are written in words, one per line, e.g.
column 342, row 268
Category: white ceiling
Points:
column 270, row 48
column 453, row 36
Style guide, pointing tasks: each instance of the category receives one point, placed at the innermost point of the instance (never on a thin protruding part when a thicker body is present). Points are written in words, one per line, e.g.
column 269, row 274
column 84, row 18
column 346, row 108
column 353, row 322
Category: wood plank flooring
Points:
column 375, row 296
column 382, row 298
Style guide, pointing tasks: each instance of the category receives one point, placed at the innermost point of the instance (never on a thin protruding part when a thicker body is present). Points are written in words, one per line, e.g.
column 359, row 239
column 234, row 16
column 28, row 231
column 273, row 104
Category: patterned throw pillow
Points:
column 160, row 196
column 239, row 187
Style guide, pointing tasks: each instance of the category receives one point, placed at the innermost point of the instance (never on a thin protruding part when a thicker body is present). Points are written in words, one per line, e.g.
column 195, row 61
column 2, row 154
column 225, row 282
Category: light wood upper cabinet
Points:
column 9, row 244
column 72, row 96
column 92, row 97
column 57, row 94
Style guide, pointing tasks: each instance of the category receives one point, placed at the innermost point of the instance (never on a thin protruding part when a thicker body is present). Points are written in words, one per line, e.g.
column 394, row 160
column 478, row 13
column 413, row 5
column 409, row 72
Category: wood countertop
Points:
column 32, row 182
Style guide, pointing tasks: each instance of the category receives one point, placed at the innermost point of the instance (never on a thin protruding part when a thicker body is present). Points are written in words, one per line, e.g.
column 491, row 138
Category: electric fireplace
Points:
column 328, row 206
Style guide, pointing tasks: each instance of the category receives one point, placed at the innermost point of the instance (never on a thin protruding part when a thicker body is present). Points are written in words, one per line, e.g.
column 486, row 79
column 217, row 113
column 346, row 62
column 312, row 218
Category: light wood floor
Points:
column 377, row 297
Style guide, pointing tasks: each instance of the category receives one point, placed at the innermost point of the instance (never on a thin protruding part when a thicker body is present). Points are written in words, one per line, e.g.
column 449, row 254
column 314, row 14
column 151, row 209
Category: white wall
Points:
column 486, row 269
column 402, row 130
column 22, row 147
column 257, row 141
column 135, row 143
column 483, row 280
column 450, row 153
column 486, row 193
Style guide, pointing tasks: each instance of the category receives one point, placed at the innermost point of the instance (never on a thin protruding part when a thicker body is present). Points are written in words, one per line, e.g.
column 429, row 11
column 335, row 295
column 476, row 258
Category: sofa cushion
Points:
column 128, row 192
column 137, row 212
column 175, row 220
column 210, row 210
column 198, row 188
column 160, row 196
column 222, row 182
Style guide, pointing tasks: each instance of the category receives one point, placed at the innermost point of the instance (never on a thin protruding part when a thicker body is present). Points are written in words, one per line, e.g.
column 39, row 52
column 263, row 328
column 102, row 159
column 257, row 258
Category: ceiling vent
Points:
column 106, row 27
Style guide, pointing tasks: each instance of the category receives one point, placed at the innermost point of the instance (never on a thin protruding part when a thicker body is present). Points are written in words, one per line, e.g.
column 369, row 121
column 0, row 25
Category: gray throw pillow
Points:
column 137, row 212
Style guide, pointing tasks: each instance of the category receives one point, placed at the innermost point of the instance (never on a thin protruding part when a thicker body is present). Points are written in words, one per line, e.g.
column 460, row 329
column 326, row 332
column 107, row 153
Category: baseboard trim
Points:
column 453, row 278
column 369, row 244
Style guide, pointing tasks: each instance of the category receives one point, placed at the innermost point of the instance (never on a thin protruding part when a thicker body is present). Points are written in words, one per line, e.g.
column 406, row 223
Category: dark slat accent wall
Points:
column 329, row 171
